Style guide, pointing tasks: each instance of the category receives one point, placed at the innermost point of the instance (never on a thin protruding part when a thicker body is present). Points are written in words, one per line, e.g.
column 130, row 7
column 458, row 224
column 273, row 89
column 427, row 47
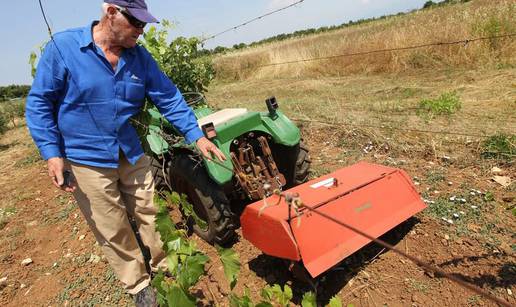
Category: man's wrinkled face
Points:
column 125, row 32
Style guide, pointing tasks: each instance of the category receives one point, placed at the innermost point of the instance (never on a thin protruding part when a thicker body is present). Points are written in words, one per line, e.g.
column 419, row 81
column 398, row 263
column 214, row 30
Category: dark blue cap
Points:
column 137, row 8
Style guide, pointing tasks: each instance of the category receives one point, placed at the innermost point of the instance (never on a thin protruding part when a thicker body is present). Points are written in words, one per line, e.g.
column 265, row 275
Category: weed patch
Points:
column 417, row 285
column 65, row 212
column 31, row 158
column 499, row 146
column 435, row 177
column 66, row 294
column 466, row 215
column 474, row 300
column 67, row 207
column 441, row 208
column 446, row 104
column 5, row 215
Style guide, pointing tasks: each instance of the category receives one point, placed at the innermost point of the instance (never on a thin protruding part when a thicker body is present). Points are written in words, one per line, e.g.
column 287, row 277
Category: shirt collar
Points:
column 87, row 34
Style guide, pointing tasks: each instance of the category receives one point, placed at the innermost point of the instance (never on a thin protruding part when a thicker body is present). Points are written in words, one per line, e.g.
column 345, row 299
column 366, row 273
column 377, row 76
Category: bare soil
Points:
column 68, row 267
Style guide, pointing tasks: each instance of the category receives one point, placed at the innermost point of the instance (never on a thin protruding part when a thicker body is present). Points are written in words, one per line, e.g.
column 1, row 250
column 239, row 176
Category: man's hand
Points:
column 55, row 171
column 207, row 148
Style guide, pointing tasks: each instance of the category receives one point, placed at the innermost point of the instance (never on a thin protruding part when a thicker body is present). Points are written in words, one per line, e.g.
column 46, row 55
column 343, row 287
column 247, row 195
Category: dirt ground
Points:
column 468, row 228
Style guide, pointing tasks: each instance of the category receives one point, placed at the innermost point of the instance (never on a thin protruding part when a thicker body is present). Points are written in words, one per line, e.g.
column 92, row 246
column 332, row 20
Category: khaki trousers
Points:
column 106, row 197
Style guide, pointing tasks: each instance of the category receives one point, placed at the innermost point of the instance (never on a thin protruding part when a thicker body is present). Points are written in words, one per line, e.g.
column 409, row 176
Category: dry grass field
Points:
column 478, row 18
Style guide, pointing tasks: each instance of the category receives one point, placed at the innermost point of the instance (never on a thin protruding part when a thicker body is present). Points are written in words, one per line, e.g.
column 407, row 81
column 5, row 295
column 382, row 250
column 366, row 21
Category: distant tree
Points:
column 239, row 46
column 428, row 4
column 220, row 49
column 204, row 52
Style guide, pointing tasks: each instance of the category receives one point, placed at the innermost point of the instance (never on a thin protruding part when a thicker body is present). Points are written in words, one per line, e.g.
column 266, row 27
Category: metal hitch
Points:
column 257, row 175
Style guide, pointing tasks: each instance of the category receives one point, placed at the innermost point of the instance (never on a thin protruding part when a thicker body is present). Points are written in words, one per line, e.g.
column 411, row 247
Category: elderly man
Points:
column 90, row 81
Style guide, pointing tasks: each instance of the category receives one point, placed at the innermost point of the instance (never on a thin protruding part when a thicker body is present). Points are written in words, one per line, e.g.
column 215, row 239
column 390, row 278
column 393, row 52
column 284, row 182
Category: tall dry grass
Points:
column 477, row 18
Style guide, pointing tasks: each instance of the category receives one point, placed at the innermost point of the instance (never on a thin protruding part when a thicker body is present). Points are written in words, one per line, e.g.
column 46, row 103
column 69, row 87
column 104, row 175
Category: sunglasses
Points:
column 131, row 19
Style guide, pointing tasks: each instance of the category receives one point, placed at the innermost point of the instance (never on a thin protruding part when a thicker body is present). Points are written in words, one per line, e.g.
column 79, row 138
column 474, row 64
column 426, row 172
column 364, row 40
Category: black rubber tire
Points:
column 208, row 199
column 303, row 162
column 157, row 173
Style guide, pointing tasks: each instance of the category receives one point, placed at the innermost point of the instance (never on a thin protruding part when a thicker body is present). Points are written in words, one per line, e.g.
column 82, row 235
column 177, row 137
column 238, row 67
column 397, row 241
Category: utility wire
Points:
column 45, row 19
column 463, row 42
column 251, row 20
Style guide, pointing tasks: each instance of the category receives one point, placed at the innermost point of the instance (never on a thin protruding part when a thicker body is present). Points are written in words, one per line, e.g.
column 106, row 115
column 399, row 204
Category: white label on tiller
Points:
column 325, row 183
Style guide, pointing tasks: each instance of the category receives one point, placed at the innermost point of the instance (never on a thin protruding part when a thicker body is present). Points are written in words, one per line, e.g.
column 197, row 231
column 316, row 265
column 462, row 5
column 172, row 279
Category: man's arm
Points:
column 40, row 112
column 167, row 98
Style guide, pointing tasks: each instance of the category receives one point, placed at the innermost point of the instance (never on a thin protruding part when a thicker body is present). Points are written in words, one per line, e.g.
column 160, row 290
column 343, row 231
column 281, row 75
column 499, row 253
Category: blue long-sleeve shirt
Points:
column 79, row 107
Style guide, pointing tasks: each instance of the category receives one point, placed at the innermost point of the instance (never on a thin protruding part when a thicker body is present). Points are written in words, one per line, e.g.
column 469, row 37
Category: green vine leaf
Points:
column 244, row 301
column 191, row 270
column 185, row 262
column 186, row 207
column 173, row 263
column 177, row 297
column 161, row 287
column 231, row 263
column 275, row 293
column 33, row 59
column 335, row 302
column 165, row 227
column 309, row 300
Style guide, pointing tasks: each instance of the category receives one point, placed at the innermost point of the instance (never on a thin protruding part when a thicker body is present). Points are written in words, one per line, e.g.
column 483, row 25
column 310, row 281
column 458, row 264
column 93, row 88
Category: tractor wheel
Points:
column 157, row 173
column 209, row 202
column 302, row 165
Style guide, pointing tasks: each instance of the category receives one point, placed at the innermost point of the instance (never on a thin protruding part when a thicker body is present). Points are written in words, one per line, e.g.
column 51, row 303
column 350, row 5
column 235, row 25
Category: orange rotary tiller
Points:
column 369, row 197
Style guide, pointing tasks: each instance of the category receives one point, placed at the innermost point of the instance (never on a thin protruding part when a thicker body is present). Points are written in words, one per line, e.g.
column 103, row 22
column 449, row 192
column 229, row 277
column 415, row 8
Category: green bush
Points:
column 499, row 146
column 16, row 108
column 10, row 111
column 446, row 104
column 180, row 60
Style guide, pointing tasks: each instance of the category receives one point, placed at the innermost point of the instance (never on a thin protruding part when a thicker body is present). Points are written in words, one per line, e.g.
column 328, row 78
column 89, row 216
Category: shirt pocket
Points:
column 134, row 91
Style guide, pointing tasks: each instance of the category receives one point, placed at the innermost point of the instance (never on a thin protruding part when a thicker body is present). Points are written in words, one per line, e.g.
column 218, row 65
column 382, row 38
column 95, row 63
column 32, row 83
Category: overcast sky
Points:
column 23, row 28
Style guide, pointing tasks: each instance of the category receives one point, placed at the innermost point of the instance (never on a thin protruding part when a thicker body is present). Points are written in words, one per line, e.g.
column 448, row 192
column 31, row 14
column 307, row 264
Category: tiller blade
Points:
column 369, row 197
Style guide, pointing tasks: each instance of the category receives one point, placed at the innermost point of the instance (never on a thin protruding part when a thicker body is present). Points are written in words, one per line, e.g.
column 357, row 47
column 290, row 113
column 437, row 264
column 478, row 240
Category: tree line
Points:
column 430, row 3
column 13, row 91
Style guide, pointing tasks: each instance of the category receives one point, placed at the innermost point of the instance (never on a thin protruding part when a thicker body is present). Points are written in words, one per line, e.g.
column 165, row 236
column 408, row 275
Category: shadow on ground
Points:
column 4, row 147
column 327, row 285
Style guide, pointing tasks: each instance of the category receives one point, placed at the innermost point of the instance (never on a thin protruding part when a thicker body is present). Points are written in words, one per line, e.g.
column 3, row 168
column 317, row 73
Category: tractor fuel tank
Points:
column 369, row 197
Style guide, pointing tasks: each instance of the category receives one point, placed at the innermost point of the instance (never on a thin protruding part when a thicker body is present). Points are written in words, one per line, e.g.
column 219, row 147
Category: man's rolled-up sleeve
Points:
column 169, row 101
column 42, row 101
